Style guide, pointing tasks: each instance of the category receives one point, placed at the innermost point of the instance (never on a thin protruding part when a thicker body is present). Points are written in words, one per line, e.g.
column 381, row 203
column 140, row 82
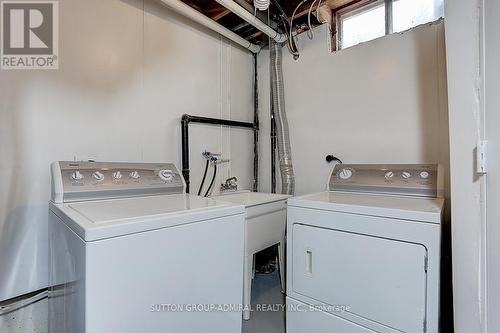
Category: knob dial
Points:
column 406, row 175
column 117, row 175
column 134, row 175
column 77, row 175
column 389, row 175
column 345, row 174
column 166, row 175
column 424, row 175
column 98, row 176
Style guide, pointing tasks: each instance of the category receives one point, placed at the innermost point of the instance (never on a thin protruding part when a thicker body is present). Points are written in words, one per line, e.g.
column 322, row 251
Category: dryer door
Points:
column 382, row 281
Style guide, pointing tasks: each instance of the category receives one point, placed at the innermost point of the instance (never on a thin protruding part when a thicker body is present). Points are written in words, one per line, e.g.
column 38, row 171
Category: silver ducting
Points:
column 282, row 131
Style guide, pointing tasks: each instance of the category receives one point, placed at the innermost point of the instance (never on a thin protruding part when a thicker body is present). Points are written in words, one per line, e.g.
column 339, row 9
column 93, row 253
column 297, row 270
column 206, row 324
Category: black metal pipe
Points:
column 280, row 9
column 217, row 121
column 273, row 154
column 185, row 149
column 273, row 136
column 186, row 119
column 255, row 187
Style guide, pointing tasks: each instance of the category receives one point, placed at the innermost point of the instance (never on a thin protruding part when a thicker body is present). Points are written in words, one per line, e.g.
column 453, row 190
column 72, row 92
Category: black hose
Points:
column 213, row 180
column 204, row 176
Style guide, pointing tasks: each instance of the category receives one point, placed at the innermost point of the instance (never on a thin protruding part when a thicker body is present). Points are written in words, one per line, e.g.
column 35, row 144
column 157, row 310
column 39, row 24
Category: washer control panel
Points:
column 399, row 179
column 79, row 181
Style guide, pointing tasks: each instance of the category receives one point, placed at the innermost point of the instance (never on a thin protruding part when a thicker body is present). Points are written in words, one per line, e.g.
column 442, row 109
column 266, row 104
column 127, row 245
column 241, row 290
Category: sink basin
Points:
column 251, row 199
column 264, row 227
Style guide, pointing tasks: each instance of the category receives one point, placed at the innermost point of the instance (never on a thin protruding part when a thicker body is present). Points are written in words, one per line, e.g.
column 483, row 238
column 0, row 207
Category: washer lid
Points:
column 407, row 208
column 93, row 220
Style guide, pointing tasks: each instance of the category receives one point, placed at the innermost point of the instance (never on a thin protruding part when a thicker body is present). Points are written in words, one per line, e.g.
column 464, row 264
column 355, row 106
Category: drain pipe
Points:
column 187, row 11
column 255, row 186
column 250, row 18
column 282, row 131
column 187, row 119
column 273, row 153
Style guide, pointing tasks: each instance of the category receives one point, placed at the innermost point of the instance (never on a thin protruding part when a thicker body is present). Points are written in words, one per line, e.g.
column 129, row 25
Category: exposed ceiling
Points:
column 231, row 21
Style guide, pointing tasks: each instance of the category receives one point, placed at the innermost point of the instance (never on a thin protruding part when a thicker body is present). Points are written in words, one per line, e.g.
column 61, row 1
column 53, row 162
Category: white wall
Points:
column 128, row 70
column 466, row 105
column 383, row 101
column 492, row 115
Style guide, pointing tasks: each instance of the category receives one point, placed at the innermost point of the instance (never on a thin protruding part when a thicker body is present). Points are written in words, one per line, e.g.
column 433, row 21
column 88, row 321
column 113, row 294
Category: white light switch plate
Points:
column 482, row 157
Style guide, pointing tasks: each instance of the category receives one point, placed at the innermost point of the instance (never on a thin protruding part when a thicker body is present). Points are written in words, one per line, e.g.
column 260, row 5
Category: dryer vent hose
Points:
column 282, row 130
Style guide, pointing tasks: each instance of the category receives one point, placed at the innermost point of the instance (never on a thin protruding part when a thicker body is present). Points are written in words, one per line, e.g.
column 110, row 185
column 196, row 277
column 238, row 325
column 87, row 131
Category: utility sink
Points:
column 252, row 199
column 264, row 227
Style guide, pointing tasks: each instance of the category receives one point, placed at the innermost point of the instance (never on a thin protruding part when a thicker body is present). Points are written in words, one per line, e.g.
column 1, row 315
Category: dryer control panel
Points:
column 423, row 180
column 81, row 181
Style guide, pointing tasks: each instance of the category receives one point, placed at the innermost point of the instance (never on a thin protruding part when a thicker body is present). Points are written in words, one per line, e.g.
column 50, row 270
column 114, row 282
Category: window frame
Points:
column 352, row 8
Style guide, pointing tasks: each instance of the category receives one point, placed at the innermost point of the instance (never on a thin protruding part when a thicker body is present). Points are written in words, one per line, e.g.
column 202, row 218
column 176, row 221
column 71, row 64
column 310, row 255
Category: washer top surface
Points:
column 400, row 191
column 99, row 200
column 93, row 220
column 109, row 211
column 421, row 209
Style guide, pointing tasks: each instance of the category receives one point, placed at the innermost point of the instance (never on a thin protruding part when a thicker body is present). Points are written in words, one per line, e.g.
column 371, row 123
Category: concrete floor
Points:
column 266, row 291
column 28, row 319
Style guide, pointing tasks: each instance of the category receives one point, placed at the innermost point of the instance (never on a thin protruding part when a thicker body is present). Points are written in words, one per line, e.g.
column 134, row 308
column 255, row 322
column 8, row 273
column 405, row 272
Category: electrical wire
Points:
column 204, row 176
column 295, row 12
column 291, row 48
column 293, row 15
column 309, row 32
column 285, row 21
column 291, row 36
column 317, row 12
column 211, row 182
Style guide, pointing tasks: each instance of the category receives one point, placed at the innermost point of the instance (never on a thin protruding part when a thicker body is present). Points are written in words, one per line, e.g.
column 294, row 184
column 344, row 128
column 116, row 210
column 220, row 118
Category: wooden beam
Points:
column 257, row 33
column 193, row 5
column 216, row 13
column 331, row 4
column 240, row 26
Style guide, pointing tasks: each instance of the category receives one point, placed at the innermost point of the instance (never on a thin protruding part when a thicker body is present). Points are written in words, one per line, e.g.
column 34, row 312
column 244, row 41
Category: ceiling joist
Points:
column 225, row 17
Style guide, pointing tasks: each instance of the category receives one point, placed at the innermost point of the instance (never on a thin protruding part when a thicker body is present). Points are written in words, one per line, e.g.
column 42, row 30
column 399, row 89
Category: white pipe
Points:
column 247, row 16
column 191, row 13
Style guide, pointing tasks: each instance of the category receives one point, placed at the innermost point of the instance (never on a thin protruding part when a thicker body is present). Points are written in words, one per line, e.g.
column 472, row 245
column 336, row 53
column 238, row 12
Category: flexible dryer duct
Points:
column 282, row 131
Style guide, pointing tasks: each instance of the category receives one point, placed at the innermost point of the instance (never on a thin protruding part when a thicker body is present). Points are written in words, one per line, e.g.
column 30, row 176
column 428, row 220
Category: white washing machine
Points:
column 131, row 252
column 364, row 256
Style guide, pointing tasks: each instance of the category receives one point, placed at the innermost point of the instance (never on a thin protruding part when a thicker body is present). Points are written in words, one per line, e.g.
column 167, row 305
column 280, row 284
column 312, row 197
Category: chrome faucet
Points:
column 230, row 185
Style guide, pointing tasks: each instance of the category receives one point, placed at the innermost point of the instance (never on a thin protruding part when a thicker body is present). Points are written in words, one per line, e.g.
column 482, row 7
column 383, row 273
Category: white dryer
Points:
column 364, row 256
column 131, row 252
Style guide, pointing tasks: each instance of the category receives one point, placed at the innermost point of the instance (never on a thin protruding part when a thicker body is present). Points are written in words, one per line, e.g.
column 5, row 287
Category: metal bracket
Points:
column 481, row 157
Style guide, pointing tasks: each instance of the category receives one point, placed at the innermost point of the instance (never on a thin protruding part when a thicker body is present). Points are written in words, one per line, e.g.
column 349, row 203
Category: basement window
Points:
column 365, row 20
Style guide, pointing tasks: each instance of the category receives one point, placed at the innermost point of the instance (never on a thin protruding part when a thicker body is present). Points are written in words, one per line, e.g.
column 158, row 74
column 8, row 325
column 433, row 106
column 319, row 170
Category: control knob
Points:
column 117, row 175
column 134, row 175
column 406, row 175
column 166, row 175
column 389, row 175
column 424, row 175
column 345, row 174
column 99, row 176
column 77, row 175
